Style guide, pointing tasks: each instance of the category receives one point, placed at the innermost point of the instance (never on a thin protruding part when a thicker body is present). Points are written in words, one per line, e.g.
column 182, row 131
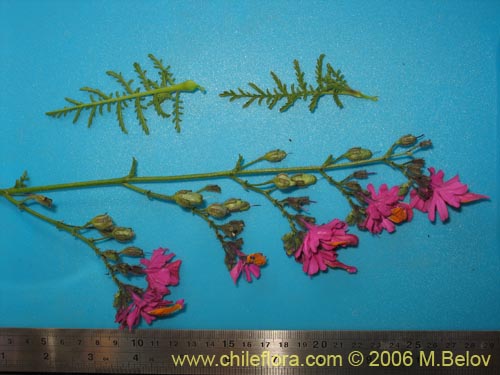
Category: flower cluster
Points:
column 439, row 194
column 318, row 250
column 314, row 246
column 373, row 210
column 149, row 304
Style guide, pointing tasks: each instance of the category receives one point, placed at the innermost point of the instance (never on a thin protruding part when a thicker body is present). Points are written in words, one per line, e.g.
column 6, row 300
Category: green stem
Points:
column 151, row 194
column 199, row 176
column 71, row 229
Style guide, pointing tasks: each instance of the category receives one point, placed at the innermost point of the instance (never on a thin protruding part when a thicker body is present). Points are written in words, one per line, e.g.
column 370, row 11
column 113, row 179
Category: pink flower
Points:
column 147, row 307
column 248, row 264
column 384, row 209
column 441, row 193
column 318, row 249
column 159, row 272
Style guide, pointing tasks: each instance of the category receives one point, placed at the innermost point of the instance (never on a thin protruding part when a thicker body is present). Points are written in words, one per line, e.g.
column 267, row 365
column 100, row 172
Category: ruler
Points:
column 153, row 351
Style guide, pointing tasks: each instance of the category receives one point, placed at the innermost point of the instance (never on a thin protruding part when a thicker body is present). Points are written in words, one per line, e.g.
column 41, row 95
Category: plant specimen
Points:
column 314, row 246
column 328, row 82
column 153, row 93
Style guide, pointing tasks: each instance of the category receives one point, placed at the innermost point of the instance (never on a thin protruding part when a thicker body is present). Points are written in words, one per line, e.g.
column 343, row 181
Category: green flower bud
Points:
column 407, row 140
column 217, row 210
column 236, row 205
column 188, row 199
column 122, row 234
column 404, row 188
column 304, row 179
column 283, row 181
column 353, row 217
column 275, row 156
column 358, row 154
column 292, row 241
column 132, row 251
column 103, row 223
column 111, row 255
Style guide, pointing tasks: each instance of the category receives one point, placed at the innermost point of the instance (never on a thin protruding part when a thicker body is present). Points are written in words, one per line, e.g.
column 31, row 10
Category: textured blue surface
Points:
column 435, row 66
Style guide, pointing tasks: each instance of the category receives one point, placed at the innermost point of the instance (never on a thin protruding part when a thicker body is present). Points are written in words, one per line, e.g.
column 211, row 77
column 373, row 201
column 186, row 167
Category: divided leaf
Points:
column 331, row 82
column 159, row 91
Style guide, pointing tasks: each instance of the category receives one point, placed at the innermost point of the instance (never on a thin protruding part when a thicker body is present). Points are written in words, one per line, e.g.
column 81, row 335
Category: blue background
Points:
column 434, row 64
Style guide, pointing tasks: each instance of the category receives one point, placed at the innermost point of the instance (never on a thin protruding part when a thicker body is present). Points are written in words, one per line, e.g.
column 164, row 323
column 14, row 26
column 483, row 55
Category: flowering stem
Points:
column 71, row 229
column 267, row 194
column 148, row 193
column 199, row 176
column 152, row 195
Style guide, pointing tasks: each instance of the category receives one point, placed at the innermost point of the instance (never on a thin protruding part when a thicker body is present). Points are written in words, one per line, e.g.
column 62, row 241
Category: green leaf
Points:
column 156, row 92
column 331, row 82
column 133, row 168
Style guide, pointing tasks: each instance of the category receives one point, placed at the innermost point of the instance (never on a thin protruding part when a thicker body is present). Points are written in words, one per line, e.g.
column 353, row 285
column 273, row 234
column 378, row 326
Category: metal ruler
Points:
column 154, row 351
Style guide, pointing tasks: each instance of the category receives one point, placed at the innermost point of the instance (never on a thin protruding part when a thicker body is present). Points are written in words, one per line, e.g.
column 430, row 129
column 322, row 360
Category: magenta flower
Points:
column 160, row 273
column 385, row 209
column 146, row 307
column 441, row 193
column 249, row 265
column 318, row 249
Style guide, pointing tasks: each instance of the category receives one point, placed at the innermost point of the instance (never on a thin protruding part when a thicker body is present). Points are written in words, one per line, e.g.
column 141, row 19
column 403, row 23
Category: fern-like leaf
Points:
column 158, row 91
column 329, row 82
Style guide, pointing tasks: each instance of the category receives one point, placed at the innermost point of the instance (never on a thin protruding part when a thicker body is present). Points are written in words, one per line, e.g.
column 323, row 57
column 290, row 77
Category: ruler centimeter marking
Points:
column 248, row 351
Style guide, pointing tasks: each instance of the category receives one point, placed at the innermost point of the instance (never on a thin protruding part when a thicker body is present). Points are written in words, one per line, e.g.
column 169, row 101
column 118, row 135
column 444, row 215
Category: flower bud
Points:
column 275, row 156
column 211, row 188
column 403, row 189
column 127, row 270
column 122, row 234
column 233, row 228
column 292, row 241
column 188, row 199
column 236, row 205
column 358, row 154
column 42, row 199
column 111, row 255
column 283, row 181
column 304, row 179
column 103, row 223
column 418, row 162
column 360, row 175
column 217, row 210
column 422, row 181
column 353, row 185
column 407, row 140
column 132, row 251
column 425, row 144
column 355, row 216
column 297, row 203
column 231, row 248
